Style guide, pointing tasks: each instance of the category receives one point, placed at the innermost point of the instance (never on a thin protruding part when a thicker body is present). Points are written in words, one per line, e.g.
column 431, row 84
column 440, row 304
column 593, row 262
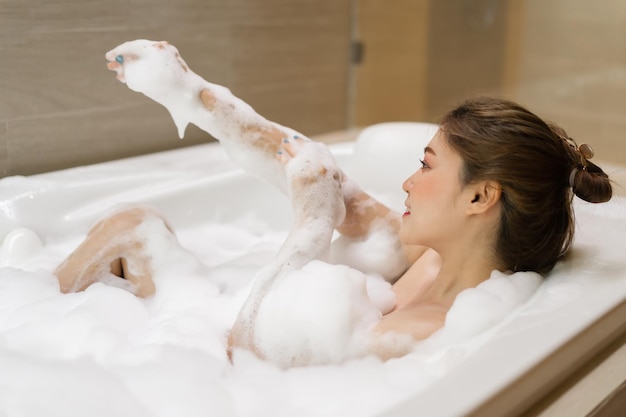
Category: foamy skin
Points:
column 92, row 261
column 379, row 252
column 314, row 183
column 157, row 70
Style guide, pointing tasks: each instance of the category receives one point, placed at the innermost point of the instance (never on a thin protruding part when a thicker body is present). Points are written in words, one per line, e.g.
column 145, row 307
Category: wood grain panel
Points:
column 391, row 79
column 72, row 139
column 61, row 107
column 304, row 90
column 573, row 70
column 4, row 167
column 466, row 52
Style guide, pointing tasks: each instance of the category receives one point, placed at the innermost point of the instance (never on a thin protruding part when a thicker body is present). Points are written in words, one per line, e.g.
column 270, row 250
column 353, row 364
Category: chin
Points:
column 406, row 237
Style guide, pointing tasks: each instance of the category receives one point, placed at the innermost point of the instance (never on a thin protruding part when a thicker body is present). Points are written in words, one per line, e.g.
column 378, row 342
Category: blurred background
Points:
column 318, row 66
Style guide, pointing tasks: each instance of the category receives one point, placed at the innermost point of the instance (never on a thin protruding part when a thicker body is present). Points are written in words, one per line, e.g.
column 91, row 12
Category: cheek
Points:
column 425, row 190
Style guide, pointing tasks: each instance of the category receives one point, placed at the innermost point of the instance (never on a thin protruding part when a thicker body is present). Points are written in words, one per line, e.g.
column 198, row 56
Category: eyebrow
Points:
column 428, row 149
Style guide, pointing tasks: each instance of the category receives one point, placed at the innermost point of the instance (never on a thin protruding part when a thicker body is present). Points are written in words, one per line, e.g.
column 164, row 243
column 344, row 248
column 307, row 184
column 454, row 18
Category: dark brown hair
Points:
column 532, row 161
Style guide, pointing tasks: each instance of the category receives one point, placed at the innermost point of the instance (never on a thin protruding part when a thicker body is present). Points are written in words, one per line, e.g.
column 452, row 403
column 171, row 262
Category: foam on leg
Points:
column 113, row 252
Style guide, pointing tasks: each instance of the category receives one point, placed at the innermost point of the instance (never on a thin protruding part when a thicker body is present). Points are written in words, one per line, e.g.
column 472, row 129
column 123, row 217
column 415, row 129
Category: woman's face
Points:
column 434, row 209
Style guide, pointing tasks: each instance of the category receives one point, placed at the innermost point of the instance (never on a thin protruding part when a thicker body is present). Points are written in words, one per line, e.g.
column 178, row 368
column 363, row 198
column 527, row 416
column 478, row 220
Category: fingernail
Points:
column 285, row 140
column 296, row 137
column 279, row 153
column 119, row 59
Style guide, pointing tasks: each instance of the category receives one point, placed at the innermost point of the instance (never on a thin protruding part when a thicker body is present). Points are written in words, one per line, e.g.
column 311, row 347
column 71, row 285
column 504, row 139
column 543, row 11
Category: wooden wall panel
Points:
column 60, row 106
column 308, row 89
column 466, row 52
column 3, row 150
column 572, row 70
column 391, row 81
column 421, row 57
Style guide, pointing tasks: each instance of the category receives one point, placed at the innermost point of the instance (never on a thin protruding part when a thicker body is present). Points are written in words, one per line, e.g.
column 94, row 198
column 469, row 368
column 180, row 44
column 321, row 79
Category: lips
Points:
column 408, row 209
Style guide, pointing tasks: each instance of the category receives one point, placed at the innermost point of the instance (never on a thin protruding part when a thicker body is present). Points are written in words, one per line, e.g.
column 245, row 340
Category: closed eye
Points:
column 424, row 164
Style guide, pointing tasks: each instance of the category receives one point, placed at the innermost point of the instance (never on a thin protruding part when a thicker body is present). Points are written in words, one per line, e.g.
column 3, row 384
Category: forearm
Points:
column 362, row 212
column 367, row 220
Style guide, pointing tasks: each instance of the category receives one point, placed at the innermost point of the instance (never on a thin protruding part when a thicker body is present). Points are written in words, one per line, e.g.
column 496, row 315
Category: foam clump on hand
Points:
column 380, row 252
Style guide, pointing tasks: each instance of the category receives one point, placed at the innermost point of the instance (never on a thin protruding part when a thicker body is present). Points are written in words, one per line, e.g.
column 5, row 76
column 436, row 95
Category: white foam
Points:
column 69, row 351
column 478, row 309
column 317, row 315
column 379, row 252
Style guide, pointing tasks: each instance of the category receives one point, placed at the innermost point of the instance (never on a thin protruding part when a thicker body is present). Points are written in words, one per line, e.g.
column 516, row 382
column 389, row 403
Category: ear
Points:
column 484, row 195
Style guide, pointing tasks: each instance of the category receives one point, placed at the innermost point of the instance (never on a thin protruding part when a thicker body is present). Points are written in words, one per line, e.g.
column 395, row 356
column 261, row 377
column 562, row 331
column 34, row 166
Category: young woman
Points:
column 493, row 192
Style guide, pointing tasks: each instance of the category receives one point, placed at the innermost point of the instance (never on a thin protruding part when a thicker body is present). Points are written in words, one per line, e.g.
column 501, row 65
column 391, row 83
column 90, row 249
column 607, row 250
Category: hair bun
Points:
column 592, row 184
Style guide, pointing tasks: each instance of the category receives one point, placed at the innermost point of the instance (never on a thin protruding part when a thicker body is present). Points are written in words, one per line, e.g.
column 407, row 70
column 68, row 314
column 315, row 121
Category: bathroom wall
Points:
column 60, row 106
column 563, row 59
column 571, row 68
column 390, row 78
column 421, row 57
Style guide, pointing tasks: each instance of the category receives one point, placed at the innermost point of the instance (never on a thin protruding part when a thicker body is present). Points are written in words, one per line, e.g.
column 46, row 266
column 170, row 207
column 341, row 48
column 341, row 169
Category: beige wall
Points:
column 421, row 57
column 466, row 53
column 60, row 106
column 563, row 59
column 390, row 82
column 572, row 69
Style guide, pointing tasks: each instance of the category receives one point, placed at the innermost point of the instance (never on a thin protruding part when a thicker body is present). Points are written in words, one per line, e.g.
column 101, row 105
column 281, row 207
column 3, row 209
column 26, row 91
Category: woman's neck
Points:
column 454, row 277
column 462, row 266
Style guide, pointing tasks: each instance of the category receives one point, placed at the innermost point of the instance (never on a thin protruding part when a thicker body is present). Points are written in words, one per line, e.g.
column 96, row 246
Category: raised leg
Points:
column 113, row 252
column 157, row 70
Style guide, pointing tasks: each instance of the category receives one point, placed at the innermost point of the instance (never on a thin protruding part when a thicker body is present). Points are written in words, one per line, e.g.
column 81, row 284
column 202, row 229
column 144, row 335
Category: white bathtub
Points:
column 576, row 312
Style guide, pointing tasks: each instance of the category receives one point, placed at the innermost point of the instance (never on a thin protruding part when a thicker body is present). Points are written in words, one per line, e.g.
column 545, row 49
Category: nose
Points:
column 406, row 185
